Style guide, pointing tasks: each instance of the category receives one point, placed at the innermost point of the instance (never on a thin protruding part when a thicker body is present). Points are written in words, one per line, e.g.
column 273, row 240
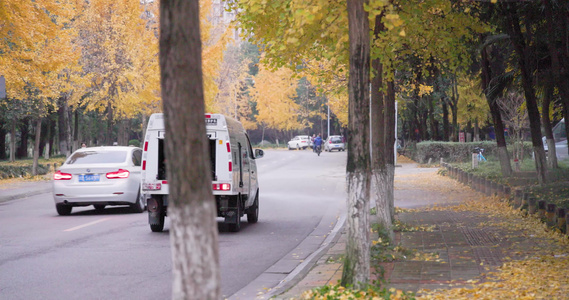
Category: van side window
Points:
column 251, row 153
column 136, row 157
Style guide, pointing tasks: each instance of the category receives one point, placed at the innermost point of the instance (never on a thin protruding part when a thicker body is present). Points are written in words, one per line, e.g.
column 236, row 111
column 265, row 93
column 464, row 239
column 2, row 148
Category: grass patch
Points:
column 555, row 191
column 22, row 168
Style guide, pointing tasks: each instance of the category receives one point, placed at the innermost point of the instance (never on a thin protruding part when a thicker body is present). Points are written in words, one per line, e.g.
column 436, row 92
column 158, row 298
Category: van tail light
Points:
column 143, row 165
column 221, row 186
column 230, row 167
column 61, row 176
column 118, row 174
column 228, row 148
column 145, row 146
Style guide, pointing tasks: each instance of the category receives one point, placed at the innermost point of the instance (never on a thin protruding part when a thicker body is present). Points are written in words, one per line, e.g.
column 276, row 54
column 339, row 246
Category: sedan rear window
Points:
column 337, row 141
column 93, row 157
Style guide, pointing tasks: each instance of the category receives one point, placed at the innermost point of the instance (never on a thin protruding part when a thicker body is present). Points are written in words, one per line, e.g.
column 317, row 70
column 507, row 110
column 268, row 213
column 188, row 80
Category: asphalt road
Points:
column 114, row 255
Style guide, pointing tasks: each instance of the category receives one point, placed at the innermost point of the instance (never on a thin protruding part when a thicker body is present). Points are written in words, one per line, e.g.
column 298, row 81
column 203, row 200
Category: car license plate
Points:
column 89, row 177
column 336, row 145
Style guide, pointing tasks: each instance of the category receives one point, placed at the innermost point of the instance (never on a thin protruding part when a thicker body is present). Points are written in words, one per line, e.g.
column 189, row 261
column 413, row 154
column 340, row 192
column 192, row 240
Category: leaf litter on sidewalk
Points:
column 537, row 272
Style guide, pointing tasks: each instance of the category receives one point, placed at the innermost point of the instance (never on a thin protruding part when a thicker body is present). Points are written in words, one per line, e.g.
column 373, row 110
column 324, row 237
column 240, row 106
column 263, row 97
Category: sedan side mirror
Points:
column 259, row 153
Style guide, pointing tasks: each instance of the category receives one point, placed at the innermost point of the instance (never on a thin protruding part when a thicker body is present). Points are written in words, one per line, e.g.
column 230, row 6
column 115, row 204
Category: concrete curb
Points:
column 304, row 268
column 24, row 195
column 252, row 290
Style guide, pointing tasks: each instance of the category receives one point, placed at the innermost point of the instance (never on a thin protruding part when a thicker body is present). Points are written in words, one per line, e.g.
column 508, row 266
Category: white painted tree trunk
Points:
column 195, row 263
column 192, row 209
column 504, row 158
column 380, row 193
column 357, row 258
column 551, row 154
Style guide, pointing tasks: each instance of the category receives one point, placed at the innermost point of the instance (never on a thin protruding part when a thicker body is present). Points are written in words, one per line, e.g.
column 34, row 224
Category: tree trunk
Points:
column 109, row 137
column 192, row 209
column 454, row 108
column 380, row 180
column 356, row 269
column 24, row 134
column 390, row 143
column 476, row 137
column 445, row 121
column 64, row 127
column 559, row 67
column 13, row 141
column 2, row 143
column 51, row 136
column 522, row 50
column 566, row 117
column 503, row 155
column 37, row 147
column 552, row 152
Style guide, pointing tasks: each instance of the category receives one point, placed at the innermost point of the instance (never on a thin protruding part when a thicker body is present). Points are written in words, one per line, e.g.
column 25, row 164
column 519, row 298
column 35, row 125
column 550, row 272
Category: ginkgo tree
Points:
column 35, row 50
column 273, row 93
column 432, row 31
column 119, row 57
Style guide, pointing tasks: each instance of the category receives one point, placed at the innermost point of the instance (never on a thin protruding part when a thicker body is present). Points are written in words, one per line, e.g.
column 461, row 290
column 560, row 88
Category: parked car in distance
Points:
column 298, row 142
column 560, row 137
column 334, row 142
column 99, row 176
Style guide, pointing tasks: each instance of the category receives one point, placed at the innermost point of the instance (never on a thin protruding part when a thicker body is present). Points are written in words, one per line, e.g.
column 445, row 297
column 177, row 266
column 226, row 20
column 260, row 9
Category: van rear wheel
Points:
column 235, row 227
column 253, row 211
column 160, row 225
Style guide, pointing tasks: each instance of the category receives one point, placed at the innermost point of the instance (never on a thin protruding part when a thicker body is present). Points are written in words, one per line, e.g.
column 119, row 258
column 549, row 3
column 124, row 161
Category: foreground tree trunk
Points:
column 357, row 261
column 192, row 210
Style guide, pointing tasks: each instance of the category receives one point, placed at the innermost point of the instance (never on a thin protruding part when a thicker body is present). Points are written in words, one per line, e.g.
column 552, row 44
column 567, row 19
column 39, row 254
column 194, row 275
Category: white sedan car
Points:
column 334, row 142
column 298, row 142
column 99, row 176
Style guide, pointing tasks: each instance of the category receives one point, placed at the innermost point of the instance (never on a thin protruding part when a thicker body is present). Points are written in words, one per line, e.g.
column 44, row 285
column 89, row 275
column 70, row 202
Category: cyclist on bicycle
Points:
column 317, row 143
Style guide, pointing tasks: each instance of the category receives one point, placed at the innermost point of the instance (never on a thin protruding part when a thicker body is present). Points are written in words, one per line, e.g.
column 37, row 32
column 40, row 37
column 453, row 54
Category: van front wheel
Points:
column 253, row 211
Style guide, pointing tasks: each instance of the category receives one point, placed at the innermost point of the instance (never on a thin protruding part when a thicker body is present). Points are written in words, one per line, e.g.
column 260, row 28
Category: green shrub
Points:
column 135, row 143
column 21, row 171
column 456, row 152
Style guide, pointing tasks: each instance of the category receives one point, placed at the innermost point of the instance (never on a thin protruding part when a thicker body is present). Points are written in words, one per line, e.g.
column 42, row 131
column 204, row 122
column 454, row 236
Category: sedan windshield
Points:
column 93, row 157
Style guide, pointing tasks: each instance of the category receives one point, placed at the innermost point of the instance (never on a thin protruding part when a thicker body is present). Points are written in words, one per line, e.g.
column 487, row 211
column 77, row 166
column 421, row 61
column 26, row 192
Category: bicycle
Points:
column 480, row 156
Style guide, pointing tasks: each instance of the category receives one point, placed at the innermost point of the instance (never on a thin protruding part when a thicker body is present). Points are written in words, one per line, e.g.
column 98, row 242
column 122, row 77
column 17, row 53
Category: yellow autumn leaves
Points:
column 98, row 54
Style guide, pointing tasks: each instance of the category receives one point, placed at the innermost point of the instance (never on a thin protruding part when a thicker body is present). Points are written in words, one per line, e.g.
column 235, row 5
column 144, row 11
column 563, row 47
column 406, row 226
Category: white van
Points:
column 234, row 171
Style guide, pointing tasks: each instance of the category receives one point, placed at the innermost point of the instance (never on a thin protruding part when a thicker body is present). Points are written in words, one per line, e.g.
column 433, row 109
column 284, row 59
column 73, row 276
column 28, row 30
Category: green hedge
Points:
column 456, row 152
column 23, row 171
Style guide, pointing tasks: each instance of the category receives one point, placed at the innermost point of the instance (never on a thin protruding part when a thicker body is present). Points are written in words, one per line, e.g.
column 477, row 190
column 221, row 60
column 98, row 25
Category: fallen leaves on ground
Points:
column 537, row 272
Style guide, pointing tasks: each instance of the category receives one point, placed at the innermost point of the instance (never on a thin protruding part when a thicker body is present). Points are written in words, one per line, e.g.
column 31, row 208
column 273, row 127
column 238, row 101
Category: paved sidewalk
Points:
column 15, row 189
column 454, row 247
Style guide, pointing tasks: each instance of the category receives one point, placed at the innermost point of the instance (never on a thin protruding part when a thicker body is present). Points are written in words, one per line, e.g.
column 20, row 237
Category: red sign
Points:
column 461, row 137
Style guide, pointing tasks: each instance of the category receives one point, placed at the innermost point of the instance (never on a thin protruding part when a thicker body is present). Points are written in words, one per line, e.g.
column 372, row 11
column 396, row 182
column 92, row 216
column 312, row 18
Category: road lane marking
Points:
column 85, row 225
